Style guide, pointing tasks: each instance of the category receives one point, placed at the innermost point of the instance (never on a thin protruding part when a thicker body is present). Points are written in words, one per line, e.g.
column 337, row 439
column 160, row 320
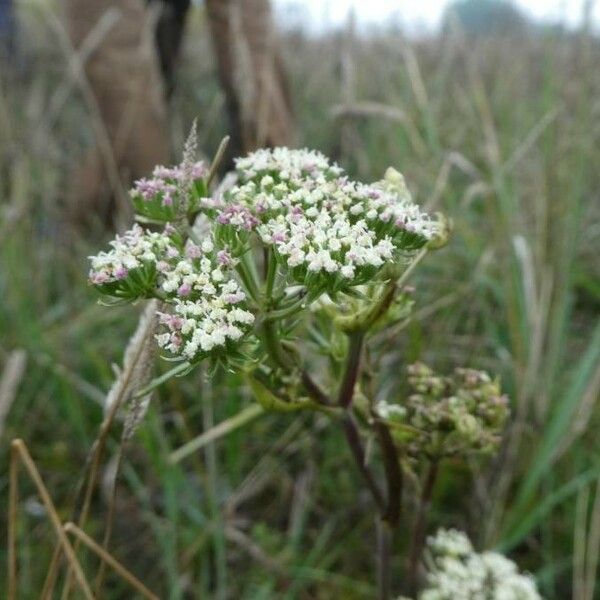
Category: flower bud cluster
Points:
column 170, row 191
column 448, row 416
column 456, row 571
column 329, row 232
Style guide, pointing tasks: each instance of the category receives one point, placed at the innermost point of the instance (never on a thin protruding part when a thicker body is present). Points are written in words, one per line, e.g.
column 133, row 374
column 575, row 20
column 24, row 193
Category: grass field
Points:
column 501, row 134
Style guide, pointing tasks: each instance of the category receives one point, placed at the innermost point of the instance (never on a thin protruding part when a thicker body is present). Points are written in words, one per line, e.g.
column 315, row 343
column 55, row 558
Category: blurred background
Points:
column 491, row 110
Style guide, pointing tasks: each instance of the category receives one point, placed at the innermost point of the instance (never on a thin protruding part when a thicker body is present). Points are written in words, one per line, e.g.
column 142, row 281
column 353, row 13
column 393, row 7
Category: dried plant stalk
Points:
column 137, row 364
column 9, row 383
column 110, row 560
column 19, row 452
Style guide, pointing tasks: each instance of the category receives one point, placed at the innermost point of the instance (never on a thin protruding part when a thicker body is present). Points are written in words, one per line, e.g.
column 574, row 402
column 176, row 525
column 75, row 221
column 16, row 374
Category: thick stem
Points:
column 274, row 347
column 351, row 371
column 313, row 390
column 358, row 453
column 393, row 474
column 283, row 360
column 384, row 552
column 418, row 538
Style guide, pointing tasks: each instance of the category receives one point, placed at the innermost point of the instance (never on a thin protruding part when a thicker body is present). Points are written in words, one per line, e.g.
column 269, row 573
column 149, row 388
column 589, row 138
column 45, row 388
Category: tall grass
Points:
column 499, row 133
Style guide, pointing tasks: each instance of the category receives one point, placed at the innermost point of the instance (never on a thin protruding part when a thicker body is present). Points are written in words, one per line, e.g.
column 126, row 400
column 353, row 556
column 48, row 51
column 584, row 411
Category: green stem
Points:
column 271, row 273
column 248, row 280
column 418, row 538
column 283, row 313
column 358, row 453
column 384, row 552
column 212, row 470
column 284, row 361
column 413, row 265
column 274, row 347
column 351, row 371
column 180, row 368
column 393, row 474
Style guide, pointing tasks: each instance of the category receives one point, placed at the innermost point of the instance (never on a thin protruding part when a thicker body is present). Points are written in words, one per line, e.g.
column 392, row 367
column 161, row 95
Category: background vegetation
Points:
column 498, row 129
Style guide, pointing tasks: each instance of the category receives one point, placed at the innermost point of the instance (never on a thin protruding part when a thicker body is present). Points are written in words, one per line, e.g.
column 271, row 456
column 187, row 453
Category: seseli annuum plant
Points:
column 287, row 276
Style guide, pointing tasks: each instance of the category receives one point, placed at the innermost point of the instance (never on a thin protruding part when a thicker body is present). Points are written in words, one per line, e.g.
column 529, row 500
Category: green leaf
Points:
column 544, row 508
column 558, row 426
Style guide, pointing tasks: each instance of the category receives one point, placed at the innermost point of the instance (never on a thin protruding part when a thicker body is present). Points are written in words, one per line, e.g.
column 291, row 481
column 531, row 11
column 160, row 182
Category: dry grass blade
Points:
column 102, row 137
column 19, row 452
column 368, row 109
column 532, row 137
column 223, row 428
column 9, row 383
column 134, row 375
column 255, row 551
column 137, row 360
column 110, row 560
column 217, row 159
column 110, row 517
column 77, row 60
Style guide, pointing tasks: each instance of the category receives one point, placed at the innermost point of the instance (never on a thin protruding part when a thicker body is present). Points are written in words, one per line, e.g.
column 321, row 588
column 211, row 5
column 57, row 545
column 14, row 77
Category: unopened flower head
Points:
column 456, row 571
column 449, row 416
column 330, row 232
column 170, row 191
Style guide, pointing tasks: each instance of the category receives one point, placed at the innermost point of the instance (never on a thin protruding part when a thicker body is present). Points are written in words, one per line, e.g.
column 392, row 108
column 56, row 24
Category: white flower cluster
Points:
column 198, row 327
column 209, row 308
column 286, row 164
column 459, row 573
column 328, row 230
column 208, row 303
column 134, row 249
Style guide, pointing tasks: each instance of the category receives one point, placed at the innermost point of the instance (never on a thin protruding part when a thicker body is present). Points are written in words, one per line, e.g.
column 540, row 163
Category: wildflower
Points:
column 329, row 232
column 209, row 322
column 129, row 269
column 456, row 571
column 285, row 164
column 208, row 305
